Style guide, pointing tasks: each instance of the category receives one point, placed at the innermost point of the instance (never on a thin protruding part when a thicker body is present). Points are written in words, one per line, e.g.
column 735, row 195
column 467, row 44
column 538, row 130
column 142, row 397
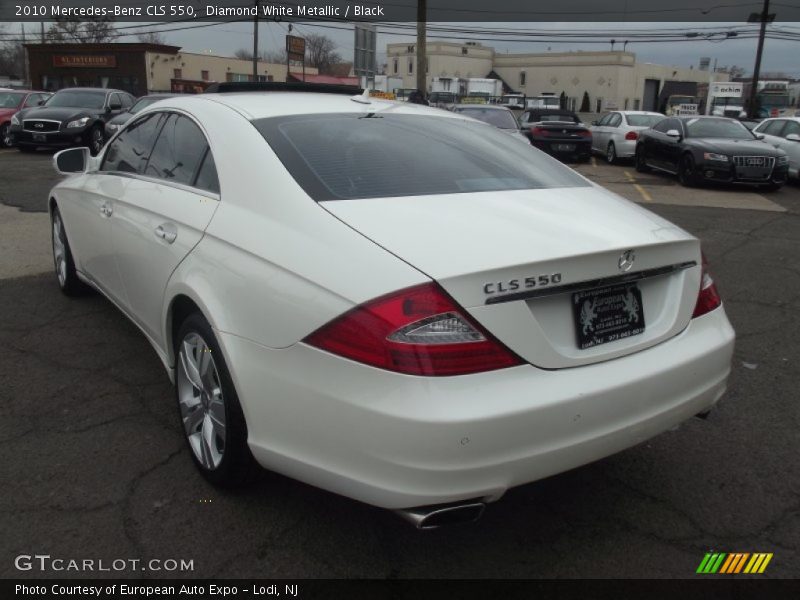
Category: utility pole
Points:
column 255, row 43
column 422, row 53
column 41, row 29
column 765, row 18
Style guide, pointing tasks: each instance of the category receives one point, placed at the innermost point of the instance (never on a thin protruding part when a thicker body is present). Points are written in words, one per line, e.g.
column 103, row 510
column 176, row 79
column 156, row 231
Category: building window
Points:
column 522, row 78
column 177, row 73
column 463, row 50
column 626, row 104
column 427, row 66
column 395, row 66
column 410, row 67
column 636, row 104
column 599, row 105
column 204, row 75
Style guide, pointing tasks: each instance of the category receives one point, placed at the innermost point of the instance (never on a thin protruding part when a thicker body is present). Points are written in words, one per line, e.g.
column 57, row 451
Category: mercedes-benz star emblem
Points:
column 626, row 260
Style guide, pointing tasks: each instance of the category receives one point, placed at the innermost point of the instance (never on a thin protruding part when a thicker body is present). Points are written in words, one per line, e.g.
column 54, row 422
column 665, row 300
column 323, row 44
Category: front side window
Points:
column 791, row 127
column 129, row 152
column 348, row 156
column 178, row 152
column 773, row 127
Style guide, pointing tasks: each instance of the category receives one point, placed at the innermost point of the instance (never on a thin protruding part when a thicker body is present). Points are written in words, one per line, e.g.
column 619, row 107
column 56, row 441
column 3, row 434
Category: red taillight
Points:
column 708, row 299
column 631, row 135
column 418, row 331
column 585, row 133
column 540, row 131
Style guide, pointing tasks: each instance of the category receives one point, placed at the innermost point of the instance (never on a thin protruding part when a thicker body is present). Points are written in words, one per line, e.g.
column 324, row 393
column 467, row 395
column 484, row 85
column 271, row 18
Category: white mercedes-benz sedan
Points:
column 392, row 302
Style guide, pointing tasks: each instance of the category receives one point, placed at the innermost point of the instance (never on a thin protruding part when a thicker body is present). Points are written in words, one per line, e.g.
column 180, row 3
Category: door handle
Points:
column 166, row 232
column 106, row 210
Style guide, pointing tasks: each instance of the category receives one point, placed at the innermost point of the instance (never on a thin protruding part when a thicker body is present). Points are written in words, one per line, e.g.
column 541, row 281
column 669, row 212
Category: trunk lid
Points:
column 482, row 247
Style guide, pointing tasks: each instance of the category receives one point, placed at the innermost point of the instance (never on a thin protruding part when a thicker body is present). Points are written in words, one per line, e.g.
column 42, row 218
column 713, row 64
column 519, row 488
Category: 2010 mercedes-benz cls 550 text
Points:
column 388, row 301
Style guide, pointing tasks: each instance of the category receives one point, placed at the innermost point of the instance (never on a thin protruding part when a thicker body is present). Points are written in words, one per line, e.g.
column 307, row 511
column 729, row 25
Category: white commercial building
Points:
column 612, row 79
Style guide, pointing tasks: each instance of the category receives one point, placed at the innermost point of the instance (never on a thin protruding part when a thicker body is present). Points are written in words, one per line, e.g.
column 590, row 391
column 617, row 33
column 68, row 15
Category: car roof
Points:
column 260, row 105
column 90, row 89
column 639, row 112
column 489, row 106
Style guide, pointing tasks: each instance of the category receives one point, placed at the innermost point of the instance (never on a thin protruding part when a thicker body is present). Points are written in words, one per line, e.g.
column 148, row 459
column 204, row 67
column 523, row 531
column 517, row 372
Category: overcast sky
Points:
column 779, row 55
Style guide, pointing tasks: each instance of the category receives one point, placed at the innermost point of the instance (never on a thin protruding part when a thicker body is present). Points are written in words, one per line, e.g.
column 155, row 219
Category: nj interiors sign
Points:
column 84, row 60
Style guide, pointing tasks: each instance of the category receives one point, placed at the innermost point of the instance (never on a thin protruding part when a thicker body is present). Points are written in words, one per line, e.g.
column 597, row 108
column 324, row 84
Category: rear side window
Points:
column 178, row 152
column 348, row 156
column 131, row 149
column 207, row 176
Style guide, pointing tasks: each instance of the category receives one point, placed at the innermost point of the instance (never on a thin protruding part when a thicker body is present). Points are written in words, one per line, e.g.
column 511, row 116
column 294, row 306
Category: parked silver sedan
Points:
column 783, row 133
column 615, row 134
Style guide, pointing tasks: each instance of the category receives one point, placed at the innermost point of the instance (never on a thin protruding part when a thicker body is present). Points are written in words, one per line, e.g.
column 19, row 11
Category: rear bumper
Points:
column 582, row 149
column 398, row 441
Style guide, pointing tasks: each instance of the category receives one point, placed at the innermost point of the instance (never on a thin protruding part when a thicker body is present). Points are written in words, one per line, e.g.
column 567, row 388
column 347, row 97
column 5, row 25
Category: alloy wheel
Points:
column 5, row 135
column 201, row 401
column 97, row 140
column 611, row 153
column 59, row 250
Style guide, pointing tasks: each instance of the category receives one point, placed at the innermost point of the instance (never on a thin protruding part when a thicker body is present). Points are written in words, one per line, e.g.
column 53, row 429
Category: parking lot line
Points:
column 642, row 192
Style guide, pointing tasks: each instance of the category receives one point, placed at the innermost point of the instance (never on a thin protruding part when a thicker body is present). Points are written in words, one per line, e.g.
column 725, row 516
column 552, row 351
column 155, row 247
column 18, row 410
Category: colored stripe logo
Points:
column 734, row 562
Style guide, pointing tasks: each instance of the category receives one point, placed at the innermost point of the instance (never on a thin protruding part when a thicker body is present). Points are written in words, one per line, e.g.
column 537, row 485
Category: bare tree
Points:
column 12, row 57
column 151, row 37
column 270, row 56
column 243, row 54
column 321, row 52
column 735, row 71
column 95, row 31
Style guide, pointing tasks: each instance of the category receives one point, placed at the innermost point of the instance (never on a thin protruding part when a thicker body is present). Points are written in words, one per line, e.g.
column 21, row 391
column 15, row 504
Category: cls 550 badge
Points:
column 528, row 283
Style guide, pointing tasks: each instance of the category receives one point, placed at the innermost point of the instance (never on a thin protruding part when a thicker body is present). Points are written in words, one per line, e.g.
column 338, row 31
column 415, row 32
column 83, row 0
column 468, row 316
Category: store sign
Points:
column 84, row 60
column 295, row 47
column 727, row 90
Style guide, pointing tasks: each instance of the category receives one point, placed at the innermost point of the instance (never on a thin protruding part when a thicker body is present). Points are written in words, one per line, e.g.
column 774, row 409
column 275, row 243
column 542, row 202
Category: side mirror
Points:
column 115, row 106
column 595, row 122
column 793, row 137
column 71, row 160
column 760, row 136
column 673, row 133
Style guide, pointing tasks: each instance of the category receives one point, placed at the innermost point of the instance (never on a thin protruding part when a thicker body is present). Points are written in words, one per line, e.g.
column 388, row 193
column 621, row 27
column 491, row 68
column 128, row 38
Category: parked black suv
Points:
column 71, row 117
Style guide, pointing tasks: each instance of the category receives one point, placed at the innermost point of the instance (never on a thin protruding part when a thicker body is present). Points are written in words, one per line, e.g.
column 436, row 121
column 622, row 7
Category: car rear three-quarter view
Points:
column 389, row 301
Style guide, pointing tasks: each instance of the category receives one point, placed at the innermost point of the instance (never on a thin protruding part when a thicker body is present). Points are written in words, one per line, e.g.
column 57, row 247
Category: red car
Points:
column 12, row 101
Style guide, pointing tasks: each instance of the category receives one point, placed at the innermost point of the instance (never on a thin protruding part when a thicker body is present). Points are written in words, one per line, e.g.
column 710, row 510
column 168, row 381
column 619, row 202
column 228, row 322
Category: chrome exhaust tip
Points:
column 433, row 517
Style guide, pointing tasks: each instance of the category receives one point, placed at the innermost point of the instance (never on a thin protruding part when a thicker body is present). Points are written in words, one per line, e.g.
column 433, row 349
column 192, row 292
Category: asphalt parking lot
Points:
column 95, row 465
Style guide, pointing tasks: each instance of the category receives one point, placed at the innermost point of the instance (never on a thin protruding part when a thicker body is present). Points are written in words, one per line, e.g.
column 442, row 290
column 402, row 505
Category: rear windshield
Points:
column 348, row 156
column 497, row 117
column 560, row 117
column 643, row 120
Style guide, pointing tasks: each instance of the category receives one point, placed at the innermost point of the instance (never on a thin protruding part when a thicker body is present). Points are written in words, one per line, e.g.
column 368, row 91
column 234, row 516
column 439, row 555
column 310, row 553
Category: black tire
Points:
column 26, row 148
column 237, row 465
column 96, row 140
column 611, row 153
column 774, row 186
column 63, row 262
column 641, row 166
column 5, row 135
column 687, row 171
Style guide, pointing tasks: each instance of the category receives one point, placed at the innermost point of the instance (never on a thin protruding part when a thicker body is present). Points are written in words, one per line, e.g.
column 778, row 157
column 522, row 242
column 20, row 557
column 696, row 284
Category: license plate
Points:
column 39, row 137
column 564, row 147
column 607, row 314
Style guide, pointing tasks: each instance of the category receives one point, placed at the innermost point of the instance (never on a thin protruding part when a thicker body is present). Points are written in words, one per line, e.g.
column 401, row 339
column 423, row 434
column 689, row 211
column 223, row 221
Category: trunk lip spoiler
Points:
column 592, row 283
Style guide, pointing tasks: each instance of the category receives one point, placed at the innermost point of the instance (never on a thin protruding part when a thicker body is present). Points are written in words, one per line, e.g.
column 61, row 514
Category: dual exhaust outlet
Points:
column 433, row 517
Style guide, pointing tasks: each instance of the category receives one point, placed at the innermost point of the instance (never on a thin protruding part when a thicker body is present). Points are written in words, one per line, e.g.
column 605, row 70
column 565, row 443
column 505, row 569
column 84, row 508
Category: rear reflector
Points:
column 417, row 331
column 708, row 298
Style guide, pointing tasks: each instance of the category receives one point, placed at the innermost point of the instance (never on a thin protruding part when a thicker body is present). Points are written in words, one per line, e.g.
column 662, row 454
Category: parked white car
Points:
column 615, row 134
column 386, row 300
column 783, row 133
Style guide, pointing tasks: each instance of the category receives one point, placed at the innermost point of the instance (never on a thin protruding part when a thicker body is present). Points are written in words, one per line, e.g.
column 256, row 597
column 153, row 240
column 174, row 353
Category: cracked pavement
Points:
column 96, row 467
